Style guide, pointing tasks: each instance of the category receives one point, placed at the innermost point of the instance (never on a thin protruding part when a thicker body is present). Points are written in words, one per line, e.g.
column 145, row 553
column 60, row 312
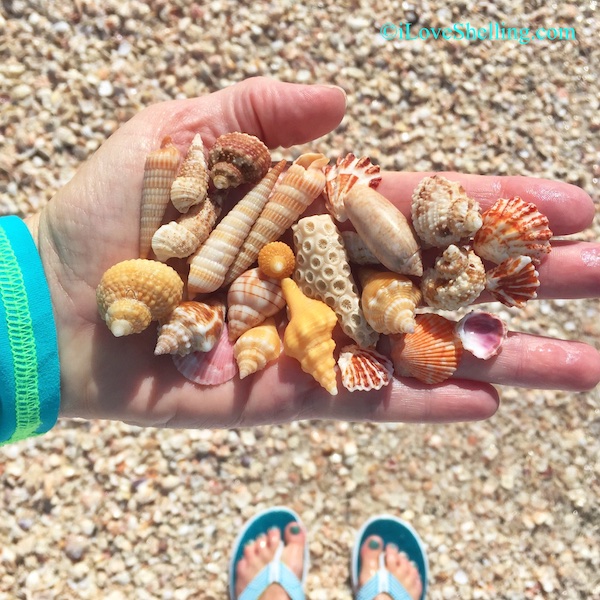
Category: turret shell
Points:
column 191, row 185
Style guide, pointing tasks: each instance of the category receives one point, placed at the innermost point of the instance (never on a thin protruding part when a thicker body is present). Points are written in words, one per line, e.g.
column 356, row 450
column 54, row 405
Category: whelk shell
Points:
column 276, row 260
column 481, row 333
column 364, row 369
column 257, row 347
column 191, row 185
column 514, row 281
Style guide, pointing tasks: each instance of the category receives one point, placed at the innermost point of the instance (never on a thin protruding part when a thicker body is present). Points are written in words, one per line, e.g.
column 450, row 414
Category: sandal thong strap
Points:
column 383, row 582
column 275, row 572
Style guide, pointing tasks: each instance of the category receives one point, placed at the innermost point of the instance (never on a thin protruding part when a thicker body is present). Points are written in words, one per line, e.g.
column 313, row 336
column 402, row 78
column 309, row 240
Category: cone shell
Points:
column 442, row 213
column 389, row 301
column 308, row 336
column 257, row 347
column 159, row 172
column 341, row 177
column 252, row 298
column 238, row 158
column 276, row 260
column 322, row 272
column 481, row 333
column 514, row 281
column 457, row 279
column 179, row 239
column 513, row 228
column 209, row 368
column 135, row 292
column 385, row 230
column 191, row 185
column 431, row 353
column 356, row 250
column 212, row 260
column 191, row 327
column 301, row 184
column 364, row 369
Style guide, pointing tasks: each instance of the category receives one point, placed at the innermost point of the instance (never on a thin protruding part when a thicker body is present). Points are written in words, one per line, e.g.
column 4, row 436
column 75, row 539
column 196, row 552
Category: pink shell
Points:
column 514, row 281
column 481, row 333
column 209, row 368
column 364, row 369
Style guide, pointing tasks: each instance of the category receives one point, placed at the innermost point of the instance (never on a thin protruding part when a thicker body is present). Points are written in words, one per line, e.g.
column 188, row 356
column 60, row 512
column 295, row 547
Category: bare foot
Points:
column 396, row 563
column 259, row 553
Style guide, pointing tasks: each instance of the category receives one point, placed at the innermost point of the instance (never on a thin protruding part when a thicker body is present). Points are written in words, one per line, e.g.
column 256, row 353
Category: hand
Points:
column 93, row 223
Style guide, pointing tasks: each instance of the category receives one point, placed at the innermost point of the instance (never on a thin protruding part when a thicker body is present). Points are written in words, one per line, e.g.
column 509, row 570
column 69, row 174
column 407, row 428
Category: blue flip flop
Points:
column 392, row 531
column 275, row 571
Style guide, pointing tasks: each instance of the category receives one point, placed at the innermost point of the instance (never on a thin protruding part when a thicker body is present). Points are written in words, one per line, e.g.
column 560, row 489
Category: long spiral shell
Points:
column 191, row 185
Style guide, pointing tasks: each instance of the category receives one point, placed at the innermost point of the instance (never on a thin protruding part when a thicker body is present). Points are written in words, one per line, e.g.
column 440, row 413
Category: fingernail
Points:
column 373, row 544
column 295, row 529
column 336, row 87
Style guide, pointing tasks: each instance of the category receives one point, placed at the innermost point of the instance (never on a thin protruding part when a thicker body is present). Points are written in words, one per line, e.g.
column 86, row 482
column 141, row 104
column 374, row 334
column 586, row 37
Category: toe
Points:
column 273, row 538
column 369, row 554
column 294, row 534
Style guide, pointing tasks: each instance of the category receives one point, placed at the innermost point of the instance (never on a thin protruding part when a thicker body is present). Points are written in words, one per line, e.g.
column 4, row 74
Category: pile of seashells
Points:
column 228, row 326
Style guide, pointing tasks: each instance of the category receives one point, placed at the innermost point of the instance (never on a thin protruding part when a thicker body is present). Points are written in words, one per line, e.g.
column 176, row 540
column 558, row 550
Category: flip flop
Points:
column 276, row 571
column 392, row 531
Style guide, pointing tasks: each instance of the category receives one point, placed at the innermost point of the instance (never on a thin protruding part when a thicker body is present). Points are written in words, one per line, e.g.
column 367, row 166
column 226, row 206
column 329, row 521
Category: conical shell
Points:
column 257, row 347
column 238, row 158
column 357, row 251
column 135, row 292
column 209, row 368
column 191, row 185
column 431, row 353
column 364, row 369
column 308, row 336
column 442, row 213
column 322, row 272
column 482, row 334
column 252, row 298
column 341, row 177
column 513, row 228
column 179, row 239
column 301, row 184
column 389, row 301
column 276, row 260
column 159, row 172
column 514, row 281
column 385, row 230
column 211, row 261
column 191, row 327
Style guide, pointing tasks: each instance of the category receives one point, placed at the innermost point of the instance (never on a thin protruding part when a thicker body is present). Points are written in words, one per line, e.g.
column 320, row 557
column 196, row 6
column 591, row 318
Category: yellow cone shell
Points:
column 257, row 347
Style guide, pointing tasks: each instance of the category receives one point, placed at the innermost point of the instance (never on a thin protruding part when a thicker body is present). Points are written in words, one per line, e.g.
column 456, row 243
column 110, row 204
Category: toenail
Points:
column 373, row 544
column 404, row 555
column 392, row 546
column 295, row 529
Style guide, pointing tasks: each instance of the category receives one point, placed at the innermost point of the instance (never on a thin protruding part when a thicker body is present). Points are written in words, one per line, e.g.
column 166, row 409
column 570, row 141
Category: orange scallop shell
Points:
column 514, row 281
column 364, row 369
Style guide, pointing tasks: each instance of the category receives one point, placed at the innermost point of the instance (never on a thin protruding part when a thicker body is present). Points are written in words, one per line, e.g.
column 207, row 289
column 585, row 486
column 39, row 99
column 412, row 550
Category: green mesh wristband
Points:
column 29, row 365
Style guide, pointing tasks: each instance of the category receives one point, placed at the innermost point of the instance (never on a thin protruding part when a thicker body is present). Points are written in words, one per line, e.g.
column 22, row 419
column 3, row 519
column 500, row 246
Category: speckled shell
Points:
column 257, row 347
column 364, row 369
column 308, row 335
column 179, row 239
column 442, row 213
column 276, row 260
column 431, row 353
column 513, row 228
column 135, row 292
column 481, row 333
column 209, row 368
column 341, row 177
column 389, row 301
column 514, row 281
column 457, row 279
column 191, row 327
column 238, row 158
column 385, row 230
column 159, row 172
column 252, row 298
column 322, row 272
column 191, row 185
column 212, row 260
column 357, row 251
column 301, row 184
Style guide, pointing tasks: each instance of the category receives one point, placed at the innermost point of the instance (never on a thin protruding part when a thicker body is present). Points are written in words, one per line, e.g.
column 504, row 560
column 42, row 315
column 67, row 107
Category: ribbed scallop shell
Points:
column 514, row 281
column 238, row 158
column 179, row 239
column 364, row 369
column 322, row 272
column 481, row 333
column 257, row 347
column 212, row 260
column 357, row 251
column 209, row 368
column 191, row 185
column 389, row 301
column 385, row 230
column 300, row 185
column 308, row 335
column 135, row 292
column 341, row 177
column 252, row 298
column 276, row 260
column 457, row 279
column 159, row 172
column 442, row 213
column 191, row 327
column 513, row 228
column 431, row 353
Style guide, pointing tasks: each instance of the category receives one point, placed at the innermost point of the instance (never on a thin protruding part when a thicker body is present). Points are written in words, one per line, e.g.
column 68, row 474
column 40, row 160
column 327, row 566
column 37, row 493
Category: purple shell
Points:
column 481, row 333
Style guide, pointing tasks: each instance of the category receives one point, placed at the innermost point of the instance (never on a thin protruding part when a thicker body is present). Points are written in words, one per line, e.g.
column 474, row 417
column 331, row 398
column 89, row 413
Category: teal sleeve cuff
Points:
column 29, row 362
